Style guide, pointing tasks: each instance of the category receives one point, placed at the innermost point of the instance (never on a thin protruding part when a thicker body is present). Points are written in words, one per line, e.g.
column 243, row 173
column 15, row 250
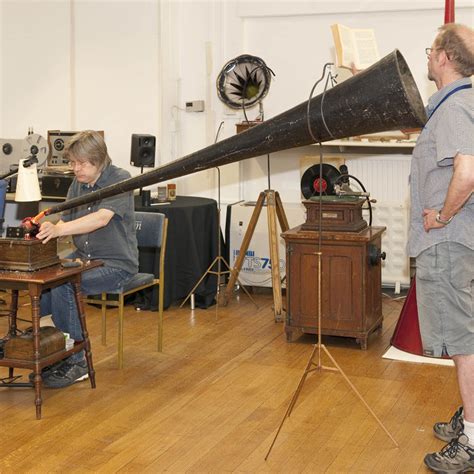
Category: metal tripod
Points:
column 311, row 366
column 219, row 260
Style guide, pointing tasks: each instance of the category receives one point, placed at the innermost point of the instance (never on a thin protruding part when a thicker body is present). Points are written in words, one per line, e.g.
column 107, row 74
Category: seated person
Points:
column 103, row 230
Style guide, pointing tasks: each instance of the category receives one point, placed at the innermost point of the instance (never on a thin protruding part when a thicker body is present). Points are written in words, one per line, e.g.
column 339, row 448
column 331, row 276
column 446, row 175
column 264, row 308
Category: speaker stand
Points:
column 274, row 210
column 219, row 260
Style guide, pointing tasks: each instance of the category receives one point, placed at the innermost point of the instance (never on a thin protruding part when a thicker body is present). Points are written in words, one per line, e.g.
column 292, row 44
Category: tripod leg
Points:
column 273, row 243
column 307, row 370
column 231, row 272
column 244, row 247
column 197, row 284
column 281, row 213
column 283, row 223
column 361, row 398
column 293, row 401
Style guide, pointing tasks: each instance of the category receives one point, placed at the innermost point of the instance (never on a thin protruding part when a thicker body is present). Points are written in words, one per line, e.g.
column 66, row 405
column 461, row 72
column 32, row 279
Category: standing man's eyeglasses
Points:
column 428, row 51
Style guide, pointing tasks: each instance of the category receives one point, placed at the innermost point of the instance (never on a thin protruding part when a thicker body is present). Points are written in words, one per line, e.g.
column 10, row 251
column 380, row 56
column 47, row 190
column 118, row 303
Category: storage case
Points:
column 27, row 255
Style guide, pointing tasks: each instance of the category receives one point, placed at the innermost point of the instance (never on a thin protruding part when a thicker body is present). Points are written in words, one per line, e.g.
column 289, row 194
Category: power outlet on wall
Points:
column 195, row 106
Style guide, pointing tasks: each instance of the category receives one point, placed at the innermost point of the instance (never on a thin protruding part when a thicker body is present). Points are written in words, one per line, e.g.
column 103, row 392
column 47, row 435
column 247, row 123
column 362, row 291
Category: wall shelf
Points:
column 368, row 147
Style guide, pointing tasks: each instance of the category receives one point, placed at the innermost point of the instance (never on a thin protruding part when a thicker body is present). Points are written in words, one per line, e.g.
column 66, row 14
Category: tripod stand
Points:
column 274, row 210
column 316, row 365
column 313, row 365
column 219, row 260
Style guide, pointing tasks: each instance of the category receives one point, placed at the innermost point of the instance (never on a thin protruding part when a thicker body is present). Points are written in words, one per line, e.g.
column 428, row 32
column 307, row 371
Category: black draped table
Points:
column 190, row 249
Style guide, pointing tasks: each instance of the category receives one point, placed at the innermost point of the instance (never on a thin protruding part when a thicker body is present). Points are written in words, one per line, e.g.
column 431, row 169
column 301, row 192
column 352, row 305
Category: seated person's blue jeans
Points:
column 60, row 301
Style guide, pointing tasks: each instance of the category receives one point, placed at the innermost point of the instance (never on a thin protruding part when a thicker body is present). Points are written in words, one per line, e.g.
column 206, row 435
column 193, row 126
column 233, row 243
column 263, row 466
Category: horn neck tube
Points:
column 381, row 98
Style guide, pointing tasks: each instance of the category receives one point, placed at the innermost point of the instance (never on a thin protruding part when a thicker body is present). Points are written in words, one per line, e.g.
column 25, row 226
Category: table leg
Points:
column 13, row 313
column 12, row 321
column 85, row 334
column 35, row 293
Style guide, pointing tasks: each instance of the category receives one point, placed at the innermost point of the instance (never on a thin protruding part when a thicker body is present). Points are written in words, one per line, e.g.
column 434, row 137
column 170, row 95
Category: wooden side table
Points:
column 36, row 282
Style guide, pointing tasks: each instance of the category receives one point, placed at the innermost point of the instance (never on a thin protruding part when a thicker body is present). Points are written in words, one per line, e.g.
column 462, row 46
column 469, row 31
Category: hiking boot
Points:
column 447, row 431
column 68, row 373
column 46, row 371
column 455, row 457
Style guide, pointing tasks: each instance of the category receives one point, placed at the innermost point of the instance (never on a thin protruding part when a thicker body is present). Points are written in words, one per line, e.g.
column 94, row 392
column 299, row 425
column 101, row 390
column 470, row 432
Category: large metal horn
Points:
column 383, row 97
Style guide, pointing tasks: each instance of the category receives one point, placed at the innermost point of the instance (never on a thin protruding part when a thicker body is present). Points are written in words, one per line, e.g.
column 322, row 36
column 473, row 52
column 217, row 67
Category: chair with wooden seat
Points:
column 3, row 194
column 151, row 230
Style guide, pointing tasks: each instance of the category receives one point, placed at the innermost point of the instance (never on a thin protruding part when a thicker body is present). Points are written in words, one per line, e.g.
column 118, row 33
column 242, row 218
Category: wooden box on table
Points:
column 27, row 255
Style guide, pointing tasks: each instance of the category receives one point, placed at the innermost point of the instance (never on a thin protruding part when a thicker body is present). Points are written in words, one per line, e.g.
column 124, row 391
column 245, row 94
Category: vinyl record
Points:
column 312, row 180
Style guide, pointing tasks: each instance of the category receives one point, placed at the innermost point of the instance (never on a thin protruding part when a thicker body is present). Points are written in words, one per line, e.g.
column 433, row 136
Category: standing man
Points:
column 103, row 230
column 442, row 232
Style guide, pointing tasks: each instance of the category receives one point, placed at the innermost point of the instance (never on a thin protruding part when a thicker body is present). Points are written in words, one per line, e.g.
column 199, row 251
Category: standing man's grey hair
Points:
column 458, row 42
column 90, row 146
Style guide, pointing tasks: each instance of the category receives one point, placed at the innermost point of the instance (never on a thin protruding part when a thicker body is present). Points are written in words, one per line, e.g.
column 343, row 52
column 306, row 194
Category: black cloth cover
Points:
column 190, row 249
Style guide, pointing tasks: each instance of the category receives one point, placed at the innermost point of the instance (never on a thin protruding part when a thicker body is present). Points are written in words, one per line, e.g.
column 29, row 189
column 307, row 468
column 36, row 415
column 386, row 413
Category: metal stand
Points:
column 319, row 346
column 311, row 366
column 219, row 260
column 274, row 210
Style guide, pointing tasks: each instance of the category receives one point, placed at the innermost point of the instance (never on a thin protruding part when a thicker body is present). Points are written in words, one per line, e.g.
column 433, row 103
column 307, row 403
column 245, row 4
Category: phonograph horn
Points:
column 382, row 97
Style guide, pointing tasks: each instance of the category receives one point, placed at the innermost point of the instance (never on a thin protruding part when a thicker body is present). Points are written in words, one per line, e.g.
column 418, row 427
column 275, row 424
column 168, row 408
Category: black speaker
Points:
column 143, row 150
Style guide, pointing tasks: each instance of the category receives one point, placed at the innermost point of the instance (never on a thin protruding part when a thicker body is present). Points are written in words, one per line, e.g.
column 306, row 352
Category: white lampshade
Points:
column 27, row 185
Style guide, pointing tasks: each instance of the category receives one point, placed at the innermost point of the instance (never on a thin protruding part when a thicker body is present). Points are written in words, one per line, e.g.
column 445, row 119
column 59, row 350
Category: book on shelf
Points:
column 355, row 47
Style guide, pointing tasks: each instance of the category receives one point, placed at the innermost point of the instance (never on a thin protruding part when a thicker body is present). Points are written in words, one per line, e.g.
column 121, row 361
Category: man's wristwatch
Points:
column 441, row 221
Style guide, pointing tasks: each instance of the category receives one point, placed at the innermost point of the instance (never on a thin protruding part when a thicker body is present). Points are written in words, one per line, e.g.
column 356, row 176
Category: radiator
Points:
column 396, row 266
column 386, row 179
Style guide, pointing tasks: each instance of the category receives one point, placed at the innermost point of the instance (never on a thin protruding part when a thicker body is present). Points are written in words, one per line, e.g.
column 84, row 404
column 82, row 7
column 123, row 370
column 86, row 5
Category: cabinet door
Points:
column 301, row 286
column 341, row 286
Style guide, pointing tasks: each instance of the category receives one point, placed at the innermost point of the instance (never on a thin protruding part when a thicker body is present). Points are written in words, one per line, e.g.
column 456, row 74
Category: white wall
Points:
column 129, row 67
column 116, row 65
column 76, row 65
column 295, row 40
column 297, row 47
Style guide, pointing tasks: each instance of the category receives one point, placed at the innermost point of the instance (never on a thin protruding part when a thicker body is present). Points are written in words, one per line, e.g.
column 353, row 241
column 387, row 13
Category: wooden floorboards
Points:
column 212, row 401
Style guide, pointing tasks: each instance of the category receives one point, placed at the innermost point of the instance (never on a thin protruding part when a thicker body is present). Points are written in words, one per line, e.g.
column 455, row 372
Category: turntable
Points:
column 330, row 198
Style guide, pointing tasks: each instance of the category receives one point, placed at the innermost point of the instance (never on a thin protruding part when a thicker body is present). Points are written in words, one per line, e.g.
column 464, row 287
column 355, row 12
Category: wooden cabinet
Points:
column 351, row 282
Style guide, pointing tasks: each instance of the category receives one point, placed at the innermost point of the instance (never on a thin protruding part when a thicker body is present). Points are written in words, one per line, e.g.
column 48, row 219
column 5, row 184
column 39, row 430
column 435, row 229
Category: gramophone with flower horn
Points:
column 382, row 97
column 244, row 82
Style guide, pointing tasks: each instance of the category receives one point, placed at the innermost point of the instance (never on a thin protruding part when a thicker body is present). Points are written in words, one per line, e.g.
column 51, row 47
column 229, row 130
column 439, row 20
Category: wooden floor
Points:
column 212, row 401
